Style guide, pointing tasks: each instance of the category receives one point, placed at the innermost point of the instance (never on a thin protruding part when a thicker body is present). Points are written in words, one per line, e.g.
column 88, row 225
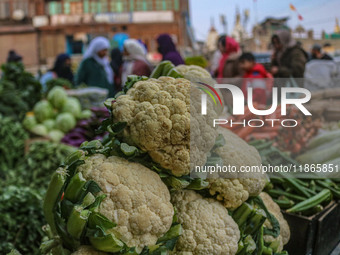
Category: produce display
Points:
column 55, row 116
column 119, row 179
column 19, row 91
column 132, row 192
column 59, row 82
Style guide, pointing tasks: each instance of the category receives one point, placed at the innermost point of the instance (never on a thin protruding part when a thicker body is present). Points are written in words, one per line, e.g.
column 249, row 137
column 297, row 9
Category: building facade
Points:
column 39, row 30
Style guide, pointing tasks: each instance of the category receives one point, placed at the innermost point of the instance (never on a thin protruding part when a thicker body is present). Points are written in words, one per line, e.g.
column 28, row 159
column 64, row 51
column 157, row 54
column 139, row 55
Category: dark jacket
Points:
column 168, row 50
column 292, row 63
column 93, row 74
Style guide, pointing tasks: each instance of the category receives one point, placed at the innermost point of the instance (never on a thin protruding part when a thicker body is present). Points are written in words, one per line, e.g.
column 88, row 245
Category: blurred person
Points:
column 167, row 48
column 95, row 69
column 61, row 69
column 288, row 59
column 228, row 66
column 318, row 54
column 135, row 62
column 256, row 77
column 117, row 66
column 13, row 57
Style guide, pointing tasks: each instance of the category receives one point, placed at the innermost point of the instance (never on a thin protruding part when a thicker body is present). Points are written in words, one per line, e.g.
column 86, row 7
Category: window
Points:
column 86, row 6
column 164, row 5
column 119, row 6
column 4, row 9
column 143, row 5
column 54, row 8
column 176, row 7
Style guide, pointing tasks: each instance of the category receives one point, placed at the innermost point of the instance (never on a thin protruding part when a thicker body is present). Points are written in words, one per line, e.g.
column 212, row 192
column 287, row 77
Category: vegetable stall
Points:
column 117, row 178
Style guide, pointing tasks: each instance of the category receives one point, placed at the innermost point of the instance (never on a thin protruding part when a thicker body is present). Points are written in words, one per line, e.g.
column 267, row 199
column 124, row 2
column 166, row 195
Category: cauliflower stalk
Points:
column 234, row 189
column 207, row 227
column 274, row 209
column 109, row 202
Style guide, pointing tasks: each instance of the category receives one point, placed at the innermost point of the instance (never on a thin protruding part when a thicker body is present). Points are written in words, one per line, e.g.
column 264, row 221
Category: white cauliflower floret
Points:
column 207, row 227
column 237, row 188
column 87, row 250
column 137, row 200
column 157, row 112
column 274, row 209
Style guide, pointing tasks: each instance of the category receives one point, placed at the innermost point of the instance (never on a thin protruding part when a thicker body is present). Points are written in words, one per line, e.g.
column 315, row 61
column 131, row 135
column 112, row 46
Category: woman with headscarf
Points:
column 288, row 59
column 61, row 69
column 228, row 66
column 135, row 62
column 116, row 65
column 168, row 50
column 95, row 69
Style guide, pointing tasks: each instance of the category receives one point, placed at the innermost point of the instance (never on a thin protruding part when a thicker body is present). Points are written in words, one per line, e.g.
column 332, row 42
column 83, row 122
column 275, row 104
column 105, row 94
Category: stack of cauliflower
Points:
column 158, row 114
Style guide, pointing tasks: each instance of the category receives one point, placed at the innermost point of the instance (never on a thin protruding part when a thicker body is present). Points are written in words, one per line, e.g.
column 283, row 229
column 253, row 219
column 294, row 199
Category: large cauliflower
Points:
column 274, row 209
column 157, row 113
column 207, row 227
column 237, row 188
column 137, row 200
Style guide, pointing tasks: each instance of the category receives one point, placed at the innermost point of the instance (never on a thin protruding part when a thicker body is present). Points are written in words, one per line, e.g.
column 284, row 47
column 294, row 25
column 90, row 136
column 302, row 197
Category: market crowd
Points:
column 109, row 69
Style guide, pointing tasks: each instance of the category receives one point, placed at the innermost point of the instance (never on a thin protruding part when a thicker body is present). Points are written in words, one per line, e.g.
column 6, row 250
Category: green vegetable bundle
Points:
column 21, row 220
column 42, row 159
column 12, row 146
column 19, row 90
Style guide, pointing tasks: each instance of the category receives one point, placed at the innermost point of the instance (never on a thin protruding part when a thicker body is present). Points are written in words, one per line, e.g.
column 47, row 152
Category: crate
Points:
column 315, row 235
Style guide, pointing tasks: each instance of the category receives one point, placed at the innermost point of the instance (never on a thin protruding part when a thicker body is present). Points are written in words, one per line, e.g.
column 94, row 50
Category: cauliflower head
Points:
column 137, row 200
column 238, row 187
column 207, row 227
column 274, row 209
column 87, row 250
column 193, row 72
column 157, row 113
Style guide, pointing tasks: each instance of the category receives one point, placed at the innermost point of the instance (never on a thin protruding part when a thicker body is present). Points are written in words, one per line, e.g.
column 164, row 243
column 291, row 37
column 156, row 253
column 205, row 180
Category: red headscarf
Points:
column 231, row 46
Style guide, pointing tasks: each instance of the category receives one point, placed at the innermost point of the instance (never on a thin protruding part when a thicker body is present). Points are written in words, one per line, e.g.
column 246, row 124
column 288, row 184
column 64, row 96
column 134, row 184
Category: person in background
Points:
column 61, row 69
column 255, row 77
column 117, row 66
column 318, row 54
column 135, row 62
column 95, row 69
column 228, row 66
column 13, row 57
column 167, row 48
column 289, row 59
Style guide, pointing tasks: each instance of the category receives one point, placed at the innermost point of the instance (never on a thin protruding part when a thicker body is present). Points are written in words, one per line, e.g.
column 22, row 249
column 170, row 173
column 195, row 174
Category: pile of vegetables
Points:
column 19, row 91
column 292, row 139
column 86, row 129
column 304, row 196
column 323, row 149
column 12, row 146
column 21, row 219
column 133, row 192
column 55, row 116
column 41, row 160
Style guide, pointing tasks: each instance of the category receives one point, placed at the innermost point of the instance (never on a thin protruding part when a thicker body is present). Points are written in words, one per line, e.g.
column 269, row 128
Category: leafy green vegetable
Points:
column 19, row 90
column 72, row 105
column 57, row 97
column 12, row 145
column 43, row 110
column 21, row 220
column 65, row 122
